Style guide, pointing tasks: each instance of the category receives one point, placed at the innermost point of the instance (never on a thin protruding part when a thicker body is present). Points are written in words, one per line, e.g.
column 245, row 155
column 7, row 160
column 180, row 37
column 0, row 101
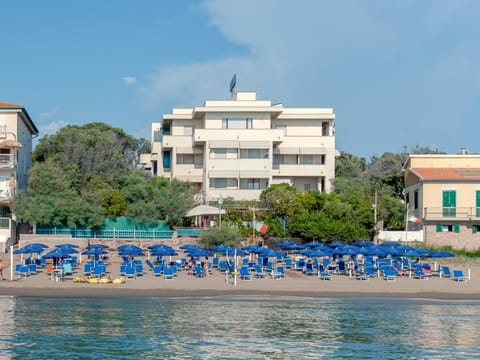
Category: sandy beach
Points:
column 293, row 284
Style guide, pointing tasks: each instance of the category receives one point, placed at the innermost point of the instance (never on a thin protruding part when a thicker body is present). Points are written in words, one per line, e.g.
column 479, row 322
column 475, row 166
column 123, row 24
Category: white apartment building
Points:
column 16, row 133
column 238, row 147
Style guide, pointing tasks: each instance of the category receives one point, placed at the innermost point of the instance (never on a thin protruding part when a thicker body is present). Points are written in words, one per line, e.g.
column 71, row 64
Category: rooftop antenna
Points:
column 233, row 85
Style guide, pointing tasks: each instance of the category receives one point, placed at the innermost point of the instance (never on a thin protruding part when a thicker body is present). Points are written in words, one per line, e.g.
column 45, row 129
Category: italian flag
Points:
column 261, row 227
column 414, row 219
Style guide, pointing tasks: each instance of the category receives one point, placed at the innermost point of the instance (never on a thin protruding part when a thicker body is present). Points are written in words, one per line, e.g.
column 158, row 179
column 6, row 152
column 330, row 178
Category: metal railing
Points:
column 452, row 213
column 110, row 234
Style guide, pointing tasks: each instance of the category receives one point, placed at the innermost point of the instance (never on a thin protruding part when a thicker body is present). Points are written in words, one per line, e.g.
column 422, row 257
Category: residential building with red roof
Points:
column 17, row 131
column 444, row 192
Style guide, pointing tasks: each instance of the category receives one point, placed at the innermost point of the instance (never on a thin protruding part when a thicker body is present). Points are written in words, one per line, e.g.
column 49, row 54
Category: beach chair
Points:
column 419, row 273
column 215, row 262
column 32, row 268
column 445, row 272
column 168, row 273
column 323, row 274
column 259, row 273
column 158, row 270
column 244, row 274
column 67, row 269
column 130, row 271
column 388, row 273
column 222, row 266
column 149, row 264
column 458, row 276
column 309, row 269
column 199, row 271
column 288, row 262
column 279, row 273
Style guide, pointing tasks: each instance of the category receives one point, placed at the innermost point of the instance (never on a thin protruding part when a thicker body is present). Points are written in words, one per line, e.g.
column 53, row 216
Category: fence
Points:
column 110, row 234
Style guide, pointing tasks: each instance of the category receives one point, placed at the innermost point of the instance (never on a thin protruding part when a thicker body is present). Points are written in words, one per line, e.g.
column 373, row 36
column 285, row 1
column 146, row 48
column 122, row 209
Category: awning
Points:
column 203, row 210
column 286, row 150
column 254, row 145
column 9, row 144
column 220, row 174
column 223, row 144
column 254, row 174
column 313, row 151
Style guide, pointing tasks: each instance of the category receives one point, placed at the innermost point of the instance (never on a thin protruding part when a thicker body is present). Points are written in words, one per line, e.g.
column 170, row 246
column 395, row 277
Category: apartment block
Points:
column 16, row 133
column 238, row 147
column 444, row 191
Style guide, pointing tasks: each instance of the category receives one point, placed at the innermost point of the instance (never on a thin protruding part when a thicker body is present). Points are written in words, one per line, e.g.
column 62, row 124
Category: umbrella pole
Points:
column 235, row 268
column 11, row 262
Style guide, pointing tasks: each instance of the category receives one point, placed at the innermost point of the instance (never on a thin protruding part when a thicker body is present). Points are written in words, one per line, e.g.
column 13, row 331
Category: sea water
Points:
column 238, row 328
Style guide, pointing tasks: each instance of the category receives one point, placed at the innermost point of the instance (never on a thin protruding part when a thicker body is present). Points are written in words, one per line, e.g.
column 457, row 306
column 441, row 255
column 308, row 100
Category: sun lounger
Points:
column 458, row 275
column 168, row 273
column 259, row 273
column 278, row 273
column 445, row 272
column 324, row 275
column 244, row 274
column 389, row 274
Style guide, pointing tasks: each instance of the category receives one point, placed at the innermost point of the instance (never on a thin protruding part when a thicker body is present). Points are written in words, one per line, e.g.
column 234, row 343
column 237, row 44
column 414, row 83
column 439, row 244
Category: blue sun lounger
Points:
column 458, row 275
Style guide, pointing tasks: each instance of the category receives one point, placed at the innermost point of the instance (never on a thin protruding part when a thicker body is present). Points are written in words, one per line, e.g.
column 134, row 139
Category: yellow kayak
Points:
column 119, row 280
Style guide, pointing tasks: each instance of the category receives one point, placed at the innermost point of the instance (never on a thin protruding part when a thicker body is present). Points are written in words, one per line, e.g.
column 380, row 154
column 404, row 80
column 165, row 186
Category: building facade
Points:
column 16, row 134
column 444, row 192
column 238, row 147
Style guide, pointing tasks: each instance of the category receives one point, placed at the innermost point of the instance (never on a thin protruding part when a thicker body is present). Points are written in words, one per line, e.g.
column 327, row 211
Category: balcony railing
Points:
column 7, row 161
column 452, row 213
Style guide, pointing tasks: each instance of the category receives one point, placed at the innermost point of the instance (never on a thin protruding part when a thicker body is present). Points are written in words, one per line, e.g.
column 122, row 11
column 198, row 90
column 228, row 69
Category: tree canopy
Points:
column 83, row 174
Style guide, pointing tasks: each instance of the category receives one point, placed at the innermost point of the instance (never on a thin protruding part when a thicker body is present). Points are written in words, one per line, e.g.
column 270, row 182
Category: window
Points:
column 415, row 200
column 477, row 203
column 253, row 184
column 449, row 203
column 448, row 228
column 306, row 187
column 185, row 159
column 253, row 153
column 188, row 129
column 475, row 228
column 237, row 123
column 223, row 183
column 223, row 153
column 306, row 159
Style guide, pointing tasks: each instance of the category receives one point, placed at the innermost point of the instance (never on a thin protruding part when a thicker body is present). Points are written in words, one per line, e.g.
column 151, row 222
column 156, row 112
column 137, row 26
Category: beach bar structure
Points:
column 238, row 147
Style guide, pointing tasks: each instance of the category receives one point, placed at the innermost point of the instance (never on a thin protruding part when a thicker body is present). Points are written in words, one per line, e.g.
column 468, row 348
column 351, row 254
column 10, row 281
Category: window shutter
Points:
column 439, row 228
column 474, row 228
column 456, row 228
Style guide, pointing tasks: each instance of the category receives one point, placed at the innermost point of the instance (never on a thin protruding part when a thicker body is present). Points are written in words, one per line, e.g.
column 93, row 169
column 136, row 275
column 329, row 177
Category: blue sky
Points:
column 396, row 73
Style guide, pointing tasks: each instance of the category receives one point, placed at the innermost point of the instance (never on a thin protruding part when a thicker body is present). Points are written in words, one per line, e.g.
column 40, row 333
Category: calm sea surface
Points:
column 238, row 328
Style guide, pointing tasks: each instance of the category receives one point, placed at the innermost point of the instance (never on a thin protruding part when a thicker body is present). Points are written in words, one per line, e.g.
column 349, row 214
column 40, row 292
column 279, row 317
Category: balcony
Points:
column 452, row 213
column 7, row 161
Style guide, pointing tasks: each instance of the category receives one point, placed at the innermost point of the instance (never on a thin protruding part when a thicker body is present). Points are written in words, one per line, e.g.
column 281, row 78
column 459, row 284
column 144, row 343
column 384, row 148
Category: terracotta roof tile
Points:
column 8, row 105
column 448, row 173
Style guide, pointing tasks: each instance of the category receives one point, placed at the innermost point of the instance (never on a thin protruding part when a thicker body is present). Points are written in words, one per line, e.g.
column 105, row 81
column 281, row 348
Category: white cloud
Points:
column 49, row 113
column 52, row 127
column 129, row 80
column 384, row 67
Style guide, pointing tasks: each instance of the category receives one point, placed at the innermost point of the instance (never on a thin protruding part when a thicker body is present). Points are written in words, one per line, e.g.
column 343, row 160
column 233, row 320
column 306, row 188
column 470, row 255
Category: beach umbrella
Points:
column 440, row 254
column 163, row 251
column 376, row 251
column 363, row 243
column 29, row 249
column 98, row 246
column 67, row 245
column 336, row 244
column 390, row 243
column 253, row 249
column 223, row 249
column 318, row 253
column 199, row 252
column 56, row 254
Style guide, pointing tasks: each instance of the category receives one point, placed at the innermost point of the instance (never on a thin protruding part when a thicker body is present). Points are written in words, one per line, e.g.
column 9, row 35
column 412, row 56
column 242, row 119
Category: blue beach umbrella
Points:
column 440, row 254
column 363, row 243
column 67, row 245
column 98, row 246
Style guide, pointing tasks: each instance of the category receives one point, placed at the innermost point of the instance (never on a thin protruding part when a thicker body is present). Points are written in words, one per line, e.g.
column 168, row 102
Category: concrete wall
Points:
column 463, row 240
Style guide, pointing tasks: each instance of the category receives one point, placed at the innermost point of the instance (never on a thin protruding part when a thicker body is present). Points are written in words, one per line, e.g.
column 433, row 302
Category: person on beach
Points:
column 205, row 267
column 2, row 265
